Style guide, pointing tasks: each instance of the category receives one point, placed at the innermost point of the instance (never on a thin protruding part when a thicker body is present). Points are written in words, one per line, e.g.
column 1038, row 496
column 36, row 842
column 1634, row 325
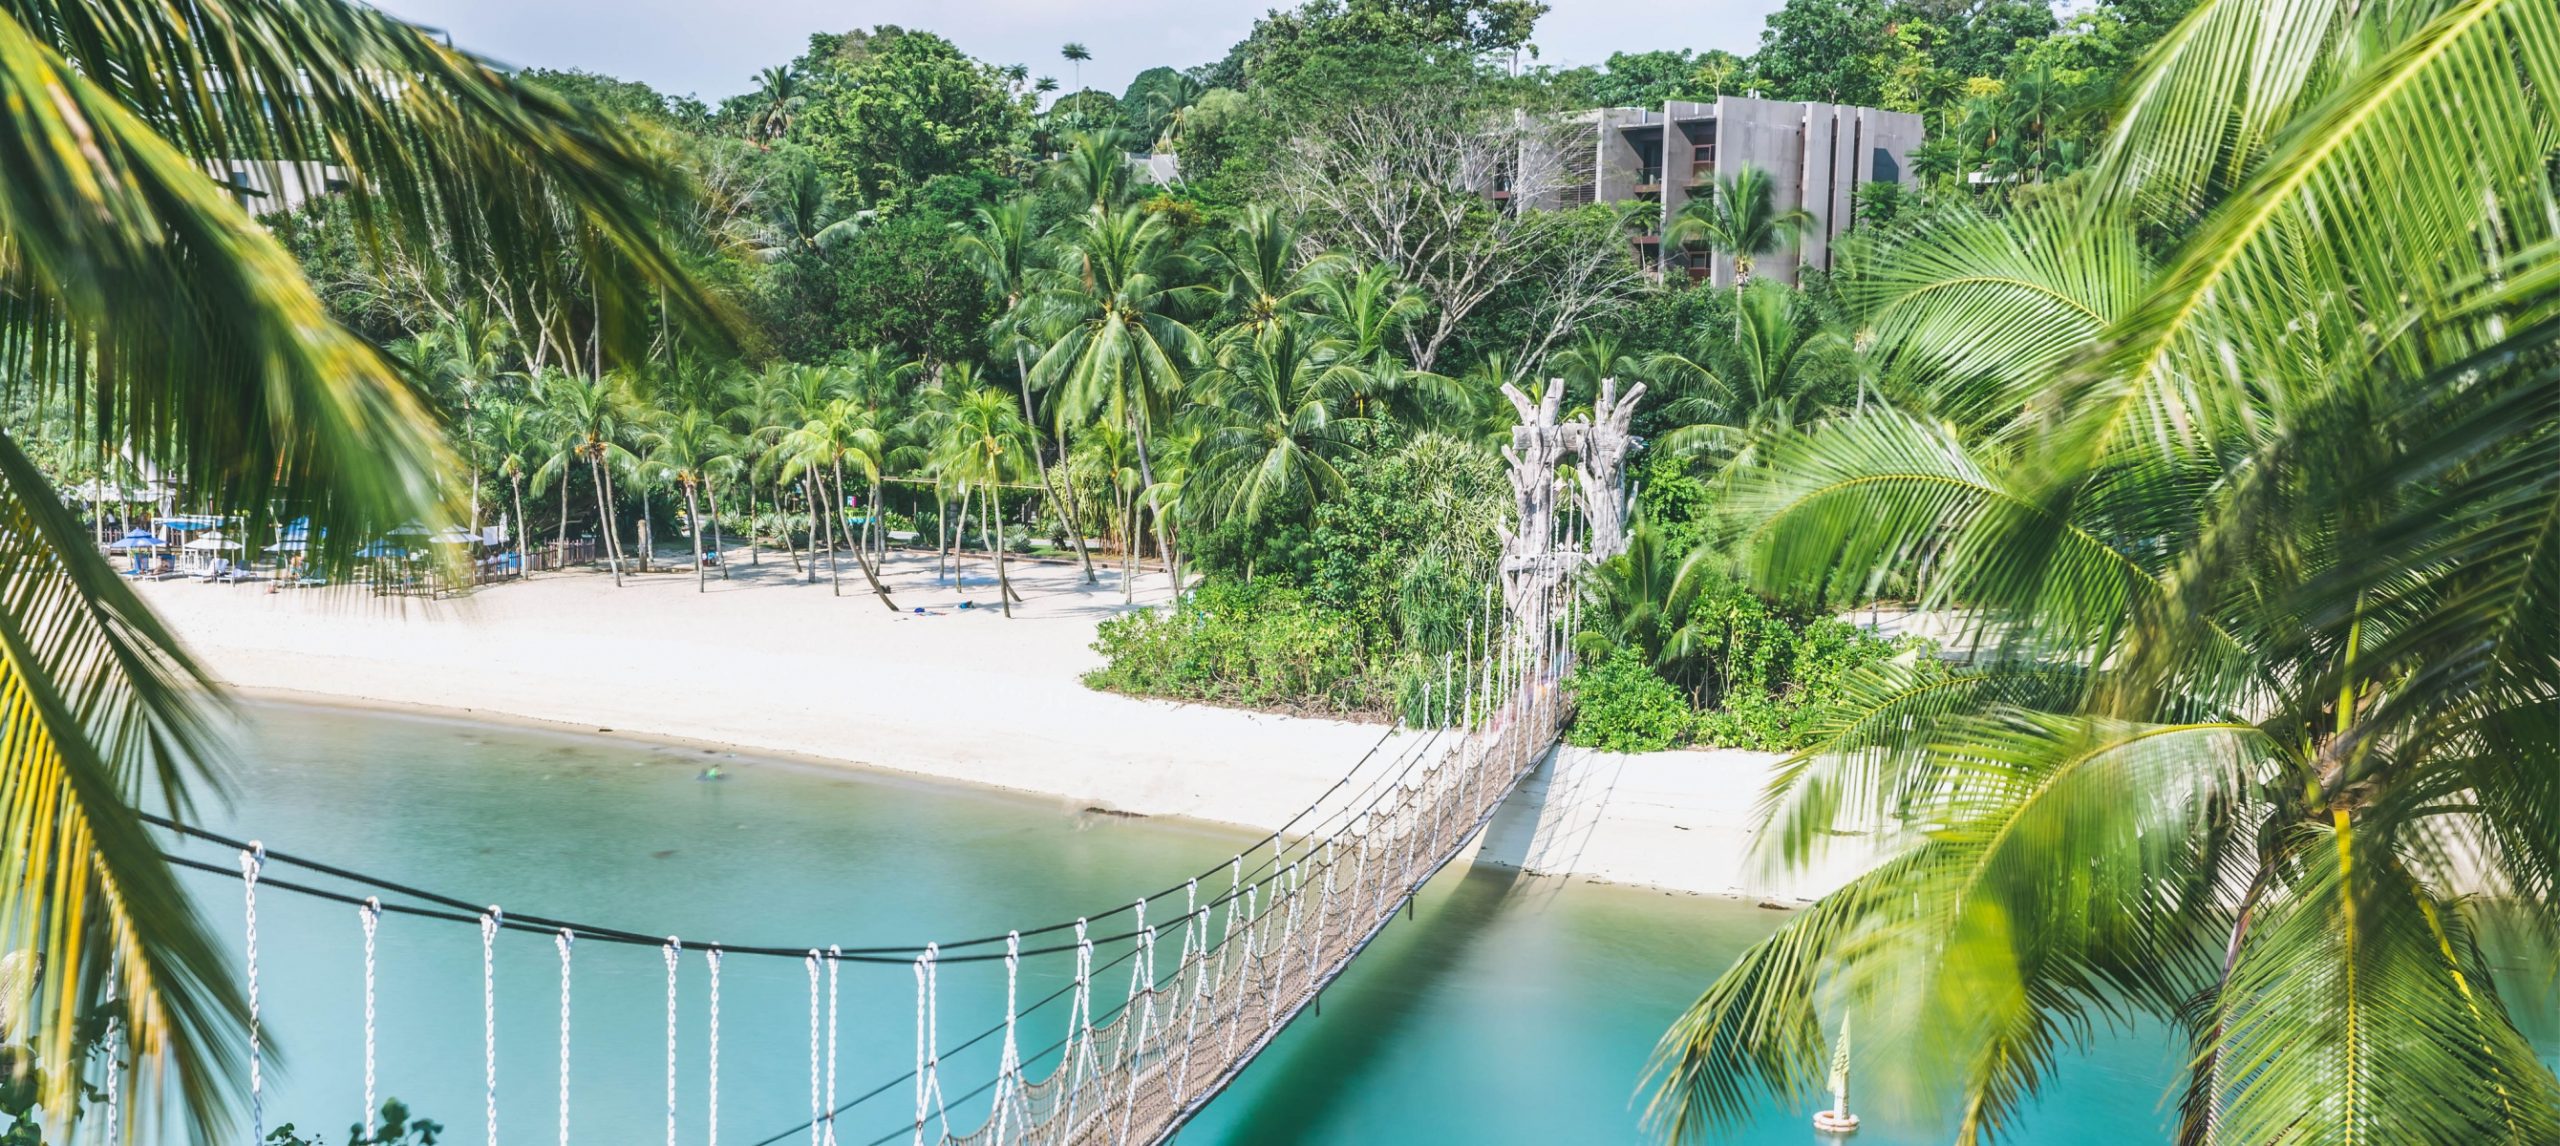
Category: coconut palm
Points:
column 1122, row 350
column 143, row 295
column 779, row 101
column 462, row 358
column 983, row 443
column 1269, row 428
column 593, row 416
column 802, row 217
column 844, row 430
column 1269, row 278
column 1094, row 172
column 692, row 450
column 1740, row 220
column 789, row 397
column 1362, row 316
column 2257, row 739
column 511, row 439
column 1003, row 244
column 1779, row 368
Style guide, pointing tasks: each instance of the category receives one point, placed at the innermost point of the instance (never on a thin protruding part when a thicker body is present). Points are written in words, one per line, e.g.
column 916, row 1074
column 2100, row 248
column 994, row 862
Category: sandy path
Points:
column 765, row 662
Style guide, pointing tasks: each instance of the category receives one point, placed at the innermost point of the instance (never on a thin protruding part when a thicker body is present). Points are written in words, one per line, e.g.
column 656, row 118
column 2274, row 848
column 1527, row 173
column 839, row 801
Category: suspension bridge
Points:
column 1131, row 1048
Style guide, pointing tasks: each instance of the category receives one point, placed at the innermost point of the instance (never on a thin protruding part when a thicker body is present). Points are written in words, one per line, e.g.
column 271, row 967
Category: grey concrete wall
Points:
column 1769, row 135
column 1821, row 177
column 1838, row 214
column 1617, row 159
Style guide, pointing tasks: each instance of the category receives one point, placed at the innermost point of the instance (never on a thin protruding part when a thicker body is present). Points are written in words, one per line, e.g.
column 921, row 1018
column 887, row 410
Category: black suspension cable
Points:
column 470, row 912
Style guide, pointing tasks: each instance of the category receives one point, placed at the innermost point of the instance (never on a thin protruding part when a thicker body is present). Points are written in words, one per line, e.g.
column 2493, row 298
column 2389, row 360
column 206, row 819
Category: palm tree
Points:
column 510, row 436
column 1076, row 54
column 803, row 217
column 689, row 448
column 2257, row 739
column 1780, row 368
column 1094, row 171
column 1741, row 220
column 844, row 430
column 1122, row 351
column 183, row 328
column 1269, row 428
column 1644, row 599
column 982, row 445
column 1269, row 277
column 789, row 398
column 462, row 358
column 1003, row 245
column 779, row 99
column 593, row 414
column 1362, row 317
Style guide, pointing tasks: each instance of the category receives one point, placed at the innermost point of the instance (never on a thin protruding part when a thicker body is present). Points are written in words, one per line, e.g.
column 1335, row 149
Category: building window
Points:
column 1887, row 171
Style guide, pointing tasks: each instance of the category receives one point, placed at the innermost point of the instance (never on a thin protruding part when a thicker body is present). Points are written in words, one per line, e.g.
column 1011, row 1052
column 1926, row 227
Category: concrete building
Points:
column 1815, row 153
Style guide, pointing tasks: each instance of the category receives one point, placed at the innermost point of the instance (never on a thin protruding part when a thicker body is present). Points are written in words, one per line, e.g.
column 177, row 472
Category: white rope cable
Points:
column 835, row 958
column 711, row 1136
column 928, row 1056
column 250, row 861
column 1146, row 1021
column 1195, row 951
column 1080, row 1025
column 563, row 940
column 489, row 921
column 817, row 1107
column 369, row 914
column 1009, row 1063
column 671, row 951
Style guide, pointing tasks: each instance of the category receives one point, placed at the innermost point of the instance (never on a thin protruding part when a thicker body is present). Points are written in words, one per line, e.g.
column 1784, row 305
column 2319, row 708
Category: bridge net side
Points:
column 1241, row 969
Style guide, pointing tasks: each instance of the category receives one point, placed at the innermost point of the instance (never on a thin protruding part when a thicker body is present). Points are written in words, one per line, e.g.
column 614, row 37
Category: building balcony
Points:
column 1649, row 181
column 1702, row 174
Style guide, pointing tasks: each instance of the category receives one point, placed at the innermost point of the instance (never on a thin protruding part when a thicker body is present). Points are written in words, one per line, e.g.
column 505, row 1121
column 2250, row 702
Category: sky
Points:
column 713, row 48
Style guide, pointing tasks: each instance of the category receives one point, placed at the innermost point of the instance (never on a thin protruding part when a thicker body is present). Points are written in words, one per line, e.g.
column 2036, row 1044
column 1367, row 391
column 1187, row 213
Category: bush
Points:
column 1622, row 705
column 1258, row 645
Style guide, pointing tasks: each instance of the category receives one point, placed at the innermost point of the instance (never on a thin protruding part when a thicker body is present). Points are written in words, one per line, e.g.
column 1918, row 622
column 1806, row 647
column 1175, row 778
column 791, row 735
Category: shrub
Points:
column 1622, row 705
column 1258, row 645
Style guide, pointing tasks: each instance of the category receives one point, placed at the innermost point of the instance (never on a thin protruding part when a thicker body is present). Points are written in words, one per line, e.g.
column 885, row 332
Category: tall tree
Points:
column 1122, row 351
column 983, row 445
column 1004, row 244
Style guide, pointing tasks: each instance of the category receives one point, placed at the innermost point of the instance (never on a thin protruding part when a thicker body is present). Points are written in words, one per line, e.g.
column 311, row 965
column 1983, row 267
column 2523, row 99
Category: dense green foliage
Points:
column 1259, row 645
column 1622, row 705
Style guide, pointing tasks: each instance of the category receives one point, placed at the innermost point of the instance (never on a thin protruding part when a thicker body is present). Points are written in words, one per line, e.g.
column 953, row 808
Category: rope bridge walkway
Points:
column 1144, row 1039
column 1204, row 990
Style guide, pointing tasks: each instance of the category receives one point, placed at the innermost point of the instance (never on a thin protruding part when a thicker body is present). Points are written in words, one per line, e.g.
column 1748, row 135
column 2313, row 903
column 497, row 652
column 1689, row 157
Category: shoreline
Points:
column 769, row 666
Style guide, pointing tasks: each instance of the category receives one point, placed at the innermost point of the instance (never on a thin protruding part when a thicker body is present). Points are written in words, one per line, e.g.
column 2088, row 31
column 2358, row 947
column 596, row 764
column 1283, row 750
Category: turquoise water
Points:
column 1508, row 1011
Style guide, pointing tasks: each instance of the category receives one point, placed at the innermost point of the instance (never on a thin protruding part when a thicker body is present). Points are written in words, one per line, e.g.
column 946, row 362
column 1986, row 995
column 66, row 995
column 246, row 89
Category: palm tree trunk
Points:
column 959, row 538
column 717, row 549
column 1165, row 538
column 693, row 509
column 835, row 576
column 524, row 568
column 861, row 557
column 1004, row 583
column 782, row 510
column 604, row 521
column 561, row 537
column 1041, row 460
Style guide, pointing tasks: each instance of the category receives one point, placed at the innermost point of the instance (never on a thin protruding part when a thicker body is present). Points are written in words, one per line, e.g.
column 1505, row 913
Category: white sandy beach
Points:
column 765, row 662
